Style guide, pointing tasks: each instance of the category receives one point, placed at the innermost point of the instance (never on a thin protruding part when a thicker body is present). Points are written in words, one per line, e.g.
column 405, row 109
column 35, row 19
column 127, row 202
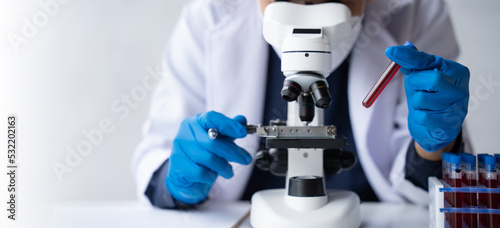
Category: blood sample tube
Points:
column 480, row 167
column 462, row 154
column 446, row 174
column 445, row 162
column 446, row 178
column 382, row 82
column 469, row 177
column 456, row 198
column 490, row 198
column 497, row 157
column 480, row 176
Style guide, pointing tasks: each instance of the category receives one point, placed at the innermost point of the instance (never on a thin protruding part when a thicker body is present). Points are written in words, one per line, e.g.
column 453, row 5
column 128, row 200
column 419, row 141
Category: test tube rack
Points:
column 439, row 207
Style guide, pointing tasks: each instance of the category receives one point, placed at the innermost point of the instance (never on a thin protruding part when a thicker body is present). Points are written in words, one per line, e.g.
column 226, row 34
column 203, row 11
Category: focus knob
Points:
column 263, row 160
column 347, row 159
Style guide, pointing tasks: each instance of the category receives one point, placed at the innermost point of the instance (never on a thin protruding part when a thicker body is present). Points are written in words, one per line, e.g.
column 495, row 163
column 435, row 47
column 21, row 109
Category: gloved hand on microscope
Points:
column 197, row 159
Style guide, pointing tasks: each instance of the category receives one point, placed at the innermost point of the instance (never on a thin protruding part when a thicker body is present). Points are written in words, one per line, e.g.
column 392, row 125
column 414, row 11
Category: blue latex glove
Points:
column 437, row 92
column 197, row 160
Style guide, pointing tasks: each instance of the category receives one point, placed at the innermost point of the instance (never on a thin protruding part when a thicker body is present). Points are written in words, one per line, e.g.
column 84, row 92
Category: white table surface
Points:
column 107, row 214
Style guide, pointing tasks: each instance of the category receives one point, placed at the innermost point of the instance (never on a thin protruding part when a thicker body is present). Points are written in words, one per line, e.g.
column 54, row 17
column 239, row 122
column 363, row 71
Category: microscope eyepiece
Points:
column 291, row 90
column 320, row 94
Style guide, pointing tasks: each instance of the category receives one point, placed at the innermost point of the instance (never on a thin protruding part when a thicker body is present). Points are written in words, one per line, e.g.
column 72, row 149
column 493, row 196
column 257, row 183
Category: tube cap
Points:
column 469, row 159
column 490, row 160
column 455, row 159
column 497, row 156
column 446, row 157
column 490, row 163
column 480, row 157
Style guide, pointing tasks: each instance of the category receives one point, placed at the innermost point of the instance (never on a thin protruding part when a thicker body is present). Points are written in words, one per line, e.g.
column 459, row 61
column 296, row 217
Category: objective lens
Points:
column 306, row 107
column 291, row 90
column 321, row 95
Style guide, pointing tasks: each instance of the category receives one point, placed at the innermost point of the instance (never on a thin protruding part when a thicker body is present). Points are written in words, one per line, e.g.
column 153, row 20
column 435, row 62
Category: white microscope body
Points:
column 305, row 37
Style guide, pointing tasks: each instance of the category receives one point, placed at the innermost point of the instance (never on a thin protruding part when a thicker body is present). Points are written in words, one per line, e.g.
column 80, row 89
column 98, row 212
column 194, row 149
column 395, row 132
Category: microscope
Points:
column 302, row 148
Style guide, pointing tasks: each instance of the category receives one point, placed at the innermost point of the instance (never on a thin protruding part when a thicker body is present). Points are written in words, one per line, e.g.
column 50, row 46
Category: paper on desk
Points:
column 132, row 214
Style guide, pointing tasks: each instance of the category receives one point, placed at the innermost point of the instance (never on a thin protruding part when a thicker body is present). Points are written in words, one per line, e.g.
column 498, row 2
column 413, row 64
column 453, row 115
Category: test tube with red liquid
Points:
column 445, row 159
column 480, row 170
column 456, row 198
column 490, row 199
column 382, row 82
column 497, row 157
column 469, row 177
column 480, row 167
column 446, row 175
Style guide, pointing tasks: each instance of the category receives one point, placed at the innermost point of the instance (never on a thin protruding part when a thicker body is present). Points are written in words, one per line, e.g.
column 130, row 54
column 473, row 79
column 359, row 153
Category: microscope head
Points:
column 305, row 36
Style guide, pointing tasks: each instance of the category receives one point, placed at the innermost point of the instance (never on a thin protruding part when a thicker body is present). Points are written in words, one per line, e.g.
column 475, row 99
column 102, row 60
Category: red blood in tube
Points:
column 382, row 82
column 470, row 180
column 471, row 200
column 447, row 180
column 456, row 199
column 490, row 200
column 448, row 196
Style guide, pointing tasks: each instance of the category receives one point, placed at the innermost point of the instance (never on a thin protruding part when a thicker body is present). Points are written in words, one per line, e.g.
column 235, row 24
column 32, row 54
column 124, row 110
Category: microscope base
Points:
column 269, row 209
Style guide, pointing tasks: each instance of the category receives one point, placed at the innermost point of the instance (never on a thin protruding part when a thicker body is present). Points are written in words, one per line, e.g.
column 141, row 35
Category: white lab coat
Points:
column 217, row 60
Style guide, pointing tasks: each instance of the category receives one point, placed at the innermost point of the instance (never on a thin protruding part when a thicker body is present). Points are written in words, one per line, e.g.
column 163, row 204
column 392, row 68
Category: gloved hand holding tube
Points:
column 197, row 160
column 437, row 93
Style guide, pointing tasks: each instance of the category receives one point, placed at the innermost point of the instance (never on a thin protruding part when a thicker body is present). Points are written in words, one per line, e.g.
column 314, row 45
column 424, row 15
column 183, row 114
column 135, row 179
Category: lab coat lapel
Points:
column 237, row 65
column 368, row 61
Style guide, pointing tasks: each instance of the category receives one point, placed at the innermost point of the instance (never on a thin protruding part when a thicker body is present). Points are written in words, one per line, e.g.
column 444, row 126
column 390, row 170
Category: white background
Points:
column 93, row 53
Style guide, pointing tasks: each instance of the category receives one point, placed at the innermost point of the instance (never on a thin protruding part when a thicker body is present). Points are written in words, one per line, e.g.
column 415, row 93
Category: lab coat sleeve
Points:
column 180, row 92
column 418, row 170
column 431, row 32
